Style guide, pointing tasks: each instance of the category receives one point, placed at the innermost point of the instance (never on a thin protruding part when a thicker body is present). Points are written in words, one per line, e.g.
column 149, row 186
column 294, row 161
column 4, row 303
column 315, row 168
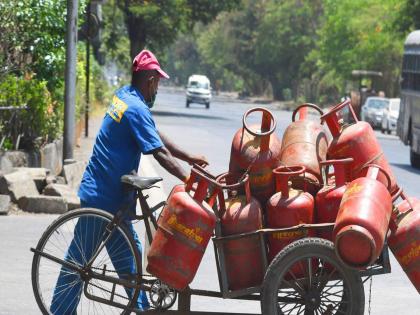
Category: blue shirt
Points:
column 127, row 131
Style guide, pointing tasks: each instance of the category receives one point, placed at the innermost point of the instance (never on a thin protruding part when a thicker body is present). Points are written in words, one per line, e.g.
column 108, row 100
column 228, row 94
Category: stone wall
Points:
column 49, row 156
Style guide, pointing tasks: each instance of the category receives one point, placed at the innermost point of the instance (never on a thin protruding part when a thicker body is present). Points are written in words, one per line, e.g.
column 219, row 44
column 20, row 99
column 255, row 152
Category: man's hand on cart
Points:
column 200, row 160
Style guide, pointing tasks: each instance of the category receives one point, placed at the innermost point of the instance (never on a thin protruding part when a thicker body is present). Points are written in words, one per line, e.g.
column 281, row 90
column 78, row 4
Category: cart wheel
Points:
column 162, row 296
column 306, row 277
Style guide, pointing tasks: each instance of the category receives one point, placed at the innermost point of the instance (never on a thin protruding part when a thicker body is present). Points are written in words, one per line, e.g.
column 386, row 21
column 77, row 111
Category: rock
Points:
column 35, row 172
column 50, row 179
column 73, row 173
column 11, row 159
column 69, row 195
column 69, row 161
column 17, row 185
column 43, row 204
column 4, row 204
column 38, row 175
column 17, row 158
column 51, row 156
column 60, row 180
column 6, row 165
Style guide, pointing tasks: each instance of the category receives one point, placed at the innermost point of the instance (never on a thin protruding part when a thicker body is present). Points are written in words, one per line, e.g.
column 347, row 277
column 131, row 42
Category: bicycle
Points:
column 101, row 282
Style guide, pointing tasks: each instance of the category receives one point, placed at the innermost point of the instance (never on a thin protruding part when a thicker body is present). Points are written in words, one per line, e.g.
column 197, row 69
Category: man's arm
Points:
column 167, row 161
column 182, row 155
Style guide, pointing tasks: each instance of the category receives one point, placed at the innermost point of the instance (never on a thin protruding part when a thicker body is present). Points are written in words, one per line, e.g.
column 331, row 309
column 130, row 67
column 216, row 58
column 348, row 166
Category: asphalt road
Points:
column 207, row 132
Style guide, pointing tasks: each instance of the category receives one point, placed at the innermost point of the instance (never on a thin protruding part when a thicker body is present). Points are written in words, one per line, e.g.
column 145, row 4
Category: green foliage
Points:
column 32, row 59
column 408, row 16
column 183, row 59
column 358, row 34
column 205, row 11
column 98, row 87
column 228, row 45
column 285, row 36
column 115, row 37
column 265, row 41
column 307, row 47
column 43, row 116
column 32, row 38
column 154, row 23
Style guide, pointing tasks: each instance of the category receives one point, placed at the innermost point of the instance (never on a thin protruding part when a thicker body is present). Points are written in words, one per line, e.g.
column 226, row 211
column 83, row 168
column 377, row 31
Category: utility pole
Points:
column 87, row 108
column 70, row 79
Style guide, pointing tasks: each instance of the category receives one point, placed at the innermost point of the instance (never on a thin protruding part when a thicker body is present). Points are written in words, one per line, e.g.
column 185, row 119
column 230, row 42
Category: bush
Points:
column 41, row 121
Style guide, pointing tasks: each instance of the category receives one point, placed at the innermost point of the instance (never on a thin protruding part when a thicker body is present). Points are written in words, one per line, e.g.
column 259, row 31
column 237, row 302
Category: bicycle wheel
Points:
column 74, row 238
column 307, row 278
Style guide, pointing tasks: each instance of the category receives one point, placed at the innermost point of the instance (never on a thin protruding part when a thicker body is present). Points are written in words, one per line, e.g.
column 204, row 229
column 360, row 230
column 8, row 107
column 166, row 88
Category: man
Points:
column 127, row 132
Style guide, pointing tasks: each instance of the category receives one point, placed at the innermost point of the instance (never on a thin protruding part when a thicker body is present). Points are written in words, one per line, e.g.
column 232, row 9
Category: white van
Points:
column 198, row 90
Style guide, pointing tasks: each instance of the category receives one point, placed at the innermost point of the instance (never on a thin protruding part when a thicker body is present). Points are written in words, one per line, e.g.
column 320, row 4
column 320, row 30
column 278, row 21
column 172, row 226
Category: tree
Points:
column 230, row 42
column 266, row 40
column 408, row 17
column 115, row 37
column 358, row 34
column 285, row 36
column 157, row 22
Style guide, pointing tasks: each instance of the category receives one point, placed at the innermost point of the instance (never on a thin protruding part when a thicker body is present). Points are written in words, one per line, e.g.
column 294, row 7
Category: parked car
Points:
column 198, row 90
column 373, row 109
column 390, row 116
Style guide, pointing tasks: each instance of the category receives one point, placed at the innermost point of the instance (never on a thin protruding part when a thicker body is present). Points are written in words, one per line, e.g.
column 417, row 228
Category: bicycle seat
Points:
column 140, row 182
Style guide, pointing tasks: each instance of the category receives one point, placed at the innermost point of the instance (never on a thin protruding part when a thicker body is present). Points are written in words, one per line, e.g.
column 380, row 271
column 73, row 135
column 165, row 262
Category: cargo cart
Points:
column 306, row 277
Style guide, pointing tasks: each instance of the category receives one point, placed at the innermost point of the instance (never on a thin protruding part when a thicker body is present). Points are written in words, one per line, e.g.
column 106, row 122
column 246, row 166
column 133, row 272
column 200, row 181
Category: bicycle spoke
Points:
column 335, row 294
column 64, row 298
column 290, row 308
column 309, row 272
column 294, row 284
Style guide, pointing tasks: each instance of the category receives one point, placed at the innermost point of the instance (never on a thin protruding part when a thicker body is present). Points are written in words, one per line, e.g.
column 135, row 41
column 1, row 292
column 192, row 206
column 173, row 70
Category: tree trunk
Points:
column 277, row 87
column 136, row 31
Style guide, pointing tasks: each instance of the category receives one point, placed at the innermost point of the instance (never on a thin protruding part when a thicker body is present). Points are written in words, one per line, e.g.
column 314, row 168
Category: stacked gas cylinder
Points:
column 275, row 184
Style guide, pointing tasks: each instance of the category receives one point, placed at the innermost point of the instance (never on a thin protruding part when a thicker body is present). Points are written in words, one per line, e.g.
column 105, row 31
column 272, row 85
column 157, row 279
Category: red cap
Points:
column 145, row 60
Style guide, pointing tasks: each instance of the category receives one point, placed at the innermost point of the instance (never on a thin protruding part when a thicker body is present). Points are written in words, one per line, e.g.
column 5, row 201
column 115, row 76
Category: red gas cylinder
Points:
column 404, row 242
column 256, row 150
column 357, row 140
column 286, row 208
column 305, row 143
column 175, row 189
column 328, row 199
column 184, row 230
column 363, row 219
column 241, row 214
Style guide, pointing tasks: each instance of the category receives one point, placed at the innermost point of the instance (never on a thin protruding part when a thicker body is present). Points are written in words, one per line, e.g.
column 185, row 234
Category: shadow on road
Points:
column 174, row 114
column 406, row 167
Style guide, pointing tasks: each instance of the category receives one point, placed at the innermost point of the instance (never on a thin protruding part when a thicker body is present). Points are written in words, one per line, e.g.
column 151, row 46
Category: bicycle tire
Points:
column 54, row 226
column 283, row 263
